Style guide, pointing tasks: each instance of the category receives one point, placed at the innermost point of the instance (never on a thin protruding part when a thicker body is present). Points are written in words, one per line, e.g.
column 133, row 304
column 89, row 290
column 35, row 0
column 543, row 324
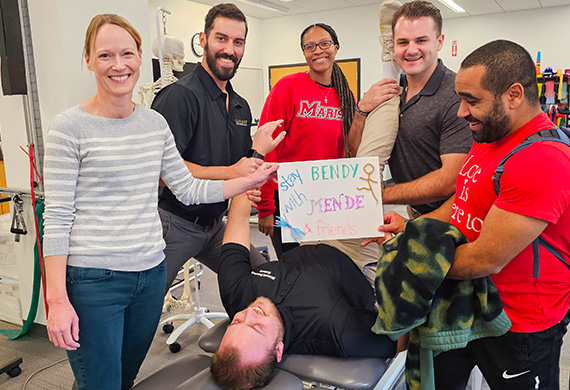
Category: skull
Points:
column 172, row 50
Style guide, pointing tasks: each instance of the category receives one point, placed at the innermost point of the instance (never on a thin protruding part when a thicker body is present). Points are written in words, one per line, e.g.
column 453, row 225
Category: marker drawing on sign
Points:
column 369, row 180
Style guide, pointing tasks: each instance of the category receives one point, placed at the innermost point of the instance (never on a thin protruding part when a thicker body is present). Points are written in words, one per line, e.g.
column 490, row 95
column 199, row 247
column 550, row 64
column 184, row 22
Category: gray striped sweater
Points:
column 101, row 188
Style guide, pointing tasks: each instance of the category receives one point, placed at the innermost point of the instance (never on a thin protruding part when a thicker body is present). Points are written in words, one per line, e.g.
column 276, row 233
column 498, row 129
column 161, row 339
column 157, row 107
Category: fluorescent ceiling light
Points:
column 453, row 5
column 266, row 5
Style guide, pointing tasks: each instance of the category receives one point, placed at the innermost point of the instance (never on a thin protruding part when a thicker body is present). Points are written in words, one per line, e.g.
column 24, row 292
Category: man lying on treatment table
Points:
column 314, row 301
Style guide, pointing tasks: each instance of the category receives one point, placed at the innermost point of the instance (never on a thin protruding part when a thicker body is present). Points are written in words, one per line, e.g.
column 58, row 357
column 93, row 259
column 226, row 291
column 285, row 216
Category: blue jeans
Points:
column 118, row 316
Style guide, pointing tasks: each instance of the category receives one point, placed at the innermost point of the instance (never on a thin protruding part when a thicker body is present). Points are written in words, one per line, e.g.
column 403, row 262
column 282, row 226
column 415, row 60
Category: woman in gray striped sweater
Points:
column 103, row 242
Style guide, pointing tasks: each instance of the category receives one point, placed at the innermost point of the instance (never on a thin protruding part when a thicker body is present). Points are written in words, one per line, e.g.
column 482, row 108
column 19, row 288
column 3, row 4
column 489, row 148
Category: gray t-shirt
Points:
column 429, row 127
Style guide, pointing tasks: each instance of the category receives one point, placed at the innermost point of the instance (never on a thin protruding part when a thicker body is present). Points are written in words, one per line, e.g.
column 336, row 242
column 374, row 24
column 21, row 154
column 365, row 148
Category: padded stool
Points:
column 348, row 373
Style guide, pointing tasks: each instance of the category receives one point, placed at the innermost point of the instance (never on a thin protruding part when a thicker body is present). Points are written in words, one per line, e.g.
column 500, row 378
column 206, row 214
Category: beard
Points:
column 494, row 126
column 221, row 73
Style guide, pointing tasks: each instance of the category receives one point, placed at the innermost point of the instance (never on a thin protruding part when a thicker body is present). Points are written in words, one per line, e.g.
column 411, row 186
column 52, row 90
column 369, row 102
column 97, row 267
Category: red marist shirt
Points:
column 313, row 121
column 535, row 183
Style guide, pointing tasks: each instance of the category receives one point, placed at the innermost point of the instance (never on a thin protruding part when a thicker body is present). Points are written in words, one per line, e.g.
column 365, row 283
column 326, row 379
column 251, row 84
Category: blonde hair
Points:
column 102, row 19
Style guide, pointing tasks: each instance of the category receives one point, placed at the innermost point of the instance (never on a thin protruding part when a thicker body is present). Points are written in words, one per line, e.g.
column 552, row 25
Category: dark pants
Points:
column 186, row 240
column 517, row 361
column 118, row 316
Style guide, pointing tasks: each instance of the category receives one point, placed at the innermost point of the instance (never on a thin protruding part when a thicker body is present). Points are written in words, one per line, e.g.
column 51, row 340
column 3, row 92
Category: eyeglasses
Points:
column 310, row 47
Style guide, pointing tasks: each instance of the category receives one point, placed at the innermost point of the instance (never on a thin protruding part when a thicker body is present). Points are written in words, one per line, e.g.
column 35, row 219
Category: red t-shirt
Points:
column 313, row 120
column 535, row 183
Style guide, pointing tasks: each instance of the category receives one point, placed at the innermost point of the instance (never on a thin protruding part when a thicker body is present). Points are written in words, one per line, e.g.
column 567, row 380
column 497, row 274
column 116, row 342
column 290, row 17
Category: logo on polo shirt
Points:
column 315, row 110
column 263, row 274
column 241, row 122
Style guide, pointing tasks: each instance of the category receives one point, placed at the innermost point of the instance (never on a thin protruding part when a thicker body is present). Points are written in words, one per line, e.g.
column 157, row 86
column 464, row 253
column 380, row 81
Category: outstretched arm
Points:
column 237, row 228
column 436, row 185
column 255, row 180
column 394, row 223
column 235, row 268
column 263, row 142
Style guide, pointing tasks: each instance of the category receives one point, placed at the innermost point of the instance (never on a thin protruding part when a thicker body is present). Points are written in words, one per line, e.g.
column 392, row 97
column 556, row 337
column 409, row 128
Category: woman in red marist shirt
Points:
column 317, row 107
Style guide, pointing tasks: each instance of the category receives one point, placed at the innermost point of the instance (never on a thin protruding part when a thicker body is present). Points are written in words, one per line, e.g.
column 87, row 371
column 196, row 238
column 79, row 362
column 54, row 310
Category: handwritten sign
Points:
column 330, row 199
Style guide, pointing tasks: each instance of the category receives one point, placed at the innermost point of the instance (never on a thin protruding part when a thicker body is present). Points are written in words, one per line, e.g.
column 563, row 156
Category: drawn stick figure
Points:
column 369, row 180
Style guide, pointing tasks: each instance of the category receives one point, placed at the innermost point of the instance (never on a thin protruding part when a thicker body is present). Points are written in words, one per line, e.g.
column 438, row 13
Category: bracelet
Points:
column 360, row 111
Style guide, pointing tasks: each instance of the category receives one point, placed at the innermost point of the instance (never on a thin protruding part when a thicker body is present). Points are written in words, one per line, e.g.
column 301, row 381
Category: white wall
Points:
column 276, row 41
column 187, row 19
column 58, row 31
column 536, row 30
column 357, row 28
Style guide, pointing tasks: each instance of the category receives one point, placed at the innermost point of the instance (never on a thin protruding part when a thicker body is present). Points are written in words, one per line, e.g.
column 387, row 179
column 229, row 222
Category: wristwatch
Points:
column 255, row 154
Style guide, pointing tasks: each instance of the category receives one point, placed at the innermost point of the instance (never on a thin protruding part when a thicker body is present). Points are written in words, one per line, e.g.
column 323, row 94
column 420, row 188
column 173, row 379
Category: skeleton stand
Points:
column 198, row 315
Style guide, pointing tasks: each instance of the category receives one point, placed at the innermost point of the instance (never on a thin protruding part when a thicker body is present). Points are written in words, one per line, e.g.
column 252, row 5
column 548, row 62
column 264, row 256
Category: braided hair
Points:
column 340, row 84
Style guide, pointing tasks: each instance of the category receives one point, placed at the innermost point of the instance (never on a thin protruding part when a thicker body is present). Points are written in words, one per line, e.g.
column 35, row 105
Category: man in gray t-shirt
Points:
column 431, row 145
column 432, row 142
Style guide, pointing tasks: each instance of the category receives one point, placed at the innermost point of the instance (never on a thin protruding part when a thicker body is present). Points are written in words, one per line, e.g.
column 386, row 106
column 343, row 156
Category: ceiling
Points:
column 473, row 7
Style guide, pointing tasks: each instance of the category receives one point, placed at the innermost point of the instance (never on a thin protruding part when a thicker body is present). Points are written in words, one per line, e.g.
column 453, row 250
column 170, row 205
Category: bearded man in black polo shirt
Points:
column 314, row 300
column 211, row 125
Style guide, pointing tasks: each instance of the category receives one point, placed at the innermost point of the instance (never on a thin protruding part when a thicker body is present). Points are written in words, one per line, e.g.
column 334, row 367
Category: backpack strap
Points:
column 558, row 134
column 551, row 249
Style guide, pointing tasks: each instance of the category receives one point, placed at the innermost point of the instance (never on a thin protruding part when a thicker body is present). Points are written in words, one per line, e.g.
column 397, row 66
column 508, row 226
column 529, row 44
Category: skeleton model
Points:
column 185, row 301
column 173, row 59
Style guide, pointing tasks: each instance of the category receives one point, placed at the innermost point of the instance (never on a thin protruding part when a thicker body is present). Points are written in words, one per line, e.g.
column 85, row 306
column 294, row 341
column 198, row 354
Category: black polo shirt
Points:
column 206, row 133
column 428, row 127
column 326, row 303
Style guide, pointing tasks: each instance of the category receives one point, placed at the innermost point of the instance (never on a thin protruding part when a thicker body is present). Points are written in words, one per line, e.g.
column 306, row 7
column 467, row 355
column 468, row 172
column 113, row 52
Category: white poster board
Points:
column 330, row 199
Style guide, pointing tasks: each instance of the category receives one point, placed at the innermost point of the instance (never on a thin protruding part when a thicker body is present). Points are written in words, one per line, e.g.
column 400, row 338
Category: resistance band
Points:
column 13, row 334
column 38, row 207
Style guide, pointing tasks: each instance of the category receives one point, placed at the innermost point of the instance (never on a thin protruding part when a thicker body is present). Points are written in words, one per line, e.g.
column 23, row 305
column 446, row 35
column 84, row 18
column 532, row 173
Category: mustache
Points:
column 224, row 55
column 471, row 118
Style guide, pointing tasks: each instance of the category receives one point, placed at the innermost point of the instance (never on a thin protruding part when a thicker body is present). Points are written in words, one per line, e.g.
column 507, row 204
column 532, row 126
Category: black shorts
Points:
column 517, row 361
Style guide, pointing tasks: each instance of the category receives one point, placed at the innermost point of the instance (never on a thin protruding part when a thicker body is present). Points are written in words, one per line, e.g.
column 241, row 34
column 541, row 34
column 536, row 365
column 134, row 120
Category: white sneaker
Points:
column 385, row 13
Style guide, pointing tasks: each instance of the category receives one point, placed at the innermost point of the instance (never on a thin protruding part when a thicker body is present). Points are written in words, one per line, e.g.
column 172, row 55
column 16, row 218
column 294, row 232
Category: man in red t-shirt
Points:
column 499, row 98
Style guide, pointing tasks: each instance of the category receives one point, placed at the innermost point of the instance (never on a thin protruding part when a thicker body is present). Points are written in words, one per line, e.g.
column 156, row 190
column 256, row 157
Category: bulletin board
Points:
column 350, row 68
